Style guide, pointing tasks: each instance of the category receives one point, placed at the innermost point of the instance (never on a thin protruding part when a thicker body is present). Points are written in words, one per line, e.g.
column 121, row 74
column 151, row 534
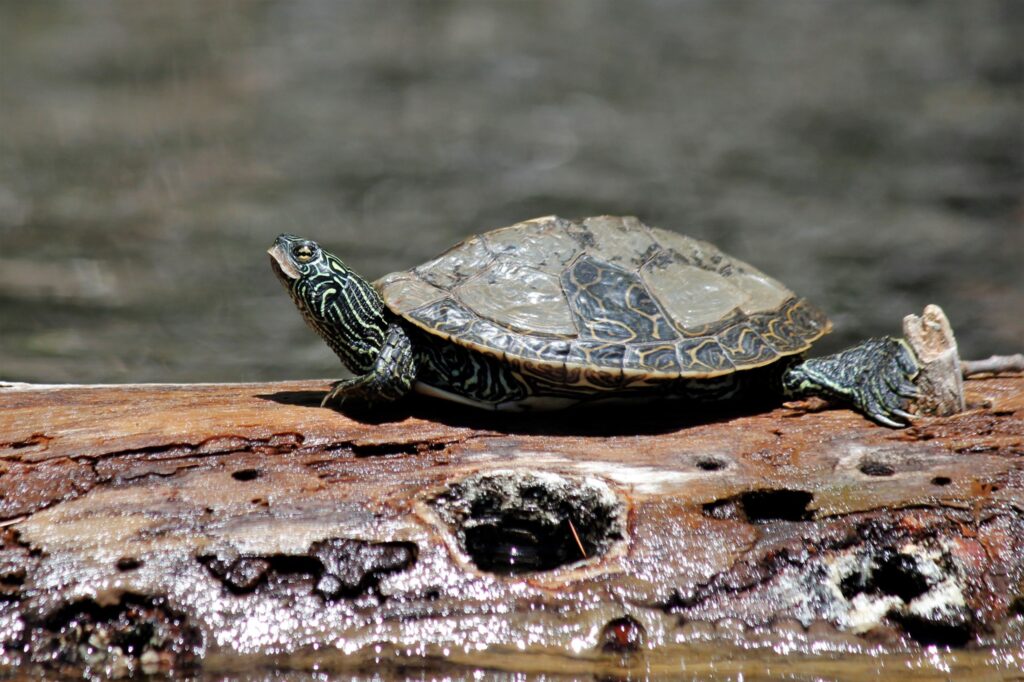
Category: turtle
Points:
column 552, row 312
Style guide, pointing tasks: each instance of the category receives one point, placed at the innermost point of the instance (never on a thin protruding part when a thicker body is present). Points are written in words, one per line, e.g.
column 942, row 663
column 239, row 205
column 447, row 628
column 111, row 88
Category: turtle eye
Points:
column 303, row 253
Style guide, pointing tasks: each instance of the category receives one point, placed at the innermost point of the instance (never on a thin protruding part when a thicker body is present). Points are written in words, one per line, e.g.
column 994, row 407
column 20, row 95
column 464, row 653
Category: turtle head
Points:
column 338, row 304
column 295, row 259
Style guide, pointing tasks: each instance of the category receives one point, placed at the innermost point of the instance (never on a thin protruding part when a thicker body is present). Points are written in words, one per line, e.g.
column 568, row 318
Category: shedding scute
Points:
column 764, row 294
column 519, row 297
column 457, row 264
column 623, row 242
column 543, row 244
column 404, row 292
column 692, row 296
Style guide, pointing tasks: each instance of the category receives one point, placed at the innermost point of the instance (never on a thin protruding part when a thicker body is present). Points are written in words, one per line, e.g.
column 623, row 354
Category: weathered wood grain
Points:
column 229, row 526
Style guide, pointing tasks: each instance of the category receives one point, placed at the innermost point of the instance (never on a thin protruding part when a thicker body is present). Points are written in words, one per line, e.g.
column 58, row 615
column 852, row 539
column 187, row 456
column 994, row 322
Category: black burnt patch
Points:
column 136, row 636
column 522, row 522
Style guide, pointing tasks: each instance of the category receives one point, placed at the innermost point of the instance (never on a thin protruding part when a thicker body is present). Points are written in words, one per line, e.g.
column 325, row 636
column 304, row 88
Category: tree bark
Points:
column 221, row 527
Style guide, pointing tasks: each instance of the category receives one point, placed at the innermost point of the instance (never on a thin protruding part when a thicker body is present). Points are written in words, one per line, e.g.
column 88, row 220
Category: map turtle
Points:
column 552, row 312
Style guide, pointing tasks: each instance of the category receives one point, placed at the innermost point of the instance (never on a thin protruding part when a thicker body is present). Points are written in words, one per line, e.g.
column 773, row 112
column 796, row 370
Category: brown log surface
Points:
column 153, row 527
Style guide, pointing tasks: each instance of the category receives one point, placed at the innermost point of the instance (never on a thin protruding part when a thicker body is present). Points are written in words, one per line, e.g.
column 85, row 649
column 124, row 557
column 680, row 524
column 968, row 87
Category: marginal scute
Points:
column 776, row 329
column 744, row 346
column 519, row 297
column 404, row 292
column 704, row 356
column 808, row 320
column 608, row 356
column 655, row 357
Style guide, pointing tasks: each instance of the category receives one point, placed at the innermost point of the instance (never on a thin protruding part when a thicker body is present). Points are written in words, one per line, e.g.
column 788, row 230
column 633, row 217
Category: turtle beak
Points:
column 281, row 263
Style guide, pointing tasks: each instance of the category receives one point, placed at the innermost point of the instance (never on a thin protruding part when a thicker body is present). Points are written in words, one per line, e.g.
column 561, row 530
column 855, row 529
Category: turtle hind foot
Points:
column 875, row 377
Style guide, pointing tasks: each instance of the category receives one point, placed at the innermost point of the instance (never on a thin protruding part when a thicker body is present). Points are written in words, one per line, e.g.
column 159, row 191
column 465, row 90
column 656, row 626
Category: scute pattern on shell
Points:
column 605, row 298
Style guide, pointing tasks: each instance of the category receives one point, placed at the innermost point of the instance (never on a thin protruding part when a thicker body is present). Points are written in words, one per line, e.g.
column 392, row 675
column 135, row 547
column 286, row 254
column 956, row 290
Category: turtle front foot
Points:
column 364, row 392
column 391, row 378
column 876, row 377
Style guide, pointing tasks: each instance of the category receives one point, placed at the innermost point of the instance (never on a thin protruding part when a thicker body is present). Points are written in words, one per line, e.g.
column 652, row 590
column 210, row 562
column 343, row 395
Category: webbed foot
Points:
column 876, row 377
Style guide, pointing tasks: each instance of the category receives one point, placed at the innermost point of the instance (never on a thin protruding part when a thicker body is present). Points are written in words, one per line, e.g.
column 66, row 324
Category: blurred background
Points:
column 869, row 155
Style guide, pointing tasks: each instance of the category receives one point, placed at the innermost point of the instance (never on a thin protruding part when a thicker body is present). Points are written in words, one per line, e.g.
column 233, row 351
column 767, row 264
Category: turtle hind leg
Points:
column 876, row 377
column 391, row 378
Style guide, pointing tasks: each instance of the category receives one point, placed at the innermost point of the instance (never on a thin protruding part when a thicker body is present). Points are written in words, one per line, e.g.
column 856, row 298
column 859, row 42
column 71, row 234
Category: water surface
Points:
column 870, row 156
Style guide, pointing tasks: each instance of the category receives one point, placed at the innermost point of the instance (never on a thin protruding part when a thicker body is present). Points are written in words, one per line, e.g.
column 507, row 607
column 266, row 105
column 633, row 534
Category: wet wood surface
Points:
column 237, row 526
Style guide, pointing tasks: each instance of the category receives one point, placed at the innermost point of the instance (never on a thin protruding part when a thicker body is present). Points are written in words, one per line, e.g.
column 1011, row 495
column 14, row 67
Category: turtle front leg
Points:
column 391, row 378
column 876, row 377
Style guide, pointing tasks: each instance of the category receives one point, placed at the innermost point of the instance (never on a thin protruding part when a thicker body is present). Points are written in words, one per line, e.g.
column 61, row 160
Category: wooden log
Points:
column 225, row 527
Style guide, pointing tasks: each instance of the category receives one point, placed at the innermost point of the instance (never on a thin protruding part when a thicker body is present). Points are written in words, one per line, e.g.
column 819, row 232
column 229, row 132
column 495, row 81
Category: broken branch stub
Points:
column 940, row 379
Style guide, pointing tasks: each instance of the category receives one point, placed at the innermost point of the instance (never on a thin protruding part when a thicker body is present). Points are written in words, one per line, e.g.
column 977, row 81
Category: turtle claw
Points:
column 344, row 391
column 903, row 414
column 885, row 421
column 908, row 391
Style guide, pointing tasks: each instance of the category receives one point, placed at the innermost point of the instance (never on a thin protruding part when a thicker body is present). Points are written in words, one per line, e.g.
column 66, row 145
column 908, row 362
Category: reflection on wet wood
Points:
column 153, row 528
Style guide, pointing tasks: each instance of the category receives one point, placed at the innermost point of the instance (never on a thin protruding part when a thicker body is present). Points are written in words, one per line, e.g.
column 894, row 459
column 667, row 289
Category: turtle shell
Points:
column 607, row 294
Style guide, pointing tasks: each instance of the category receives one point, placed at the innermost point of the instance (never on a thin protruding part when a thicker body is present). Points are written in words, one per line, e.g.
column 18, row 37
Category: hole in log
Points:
column 246, row 474
column 759, row 506
column 352, row 567
column 931, row 633
column 339, row 567
column 520, row 522
column 900, row 576
column 239, row 574
column 622, row 636
column 128, row 563
column 876, row 469
column 917, row 588
column 776, row 505
column 11, row 582
column 710, row 464
column 941, row 480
